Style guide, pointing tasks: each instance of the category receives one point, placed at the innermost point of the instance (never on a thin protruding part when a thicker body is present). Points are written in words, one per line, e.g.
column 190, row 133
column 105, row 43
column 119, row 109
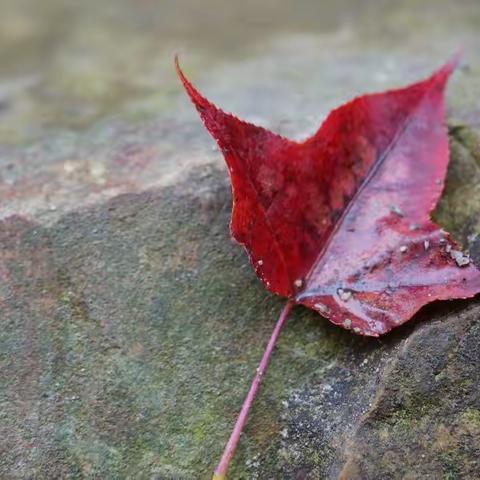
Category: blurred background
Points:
column 130, row 325
column 79, row 73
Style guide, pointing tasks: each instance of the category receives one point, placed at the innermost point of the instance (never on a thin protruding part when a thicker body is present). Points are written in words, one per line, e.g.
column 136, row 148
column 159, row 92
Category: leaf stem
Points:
column 221, row 470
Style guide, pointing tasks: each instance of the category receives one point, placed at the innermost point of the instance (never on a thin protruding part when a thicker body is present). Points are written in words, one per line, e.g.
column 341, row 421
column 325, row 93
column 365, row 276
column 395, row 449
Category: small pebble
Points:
column 461, row 259
column 396, row 210
column 321, row 308
column 298, row 282
column 347, row 323
column 426, row 244
column 344, row 295
column 403, row 249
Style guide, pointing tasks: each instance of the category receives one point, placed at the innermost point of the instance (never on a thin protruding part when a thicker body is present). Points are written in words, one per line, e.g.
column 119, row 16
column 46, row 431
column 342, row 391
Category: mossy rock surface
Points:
column 131, row 331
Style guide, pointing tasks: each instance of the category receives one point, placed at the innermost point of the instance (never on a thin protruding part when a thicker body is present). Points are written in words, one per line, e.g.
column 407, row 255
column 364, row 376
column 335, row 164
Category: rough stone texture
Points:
column 131, row 325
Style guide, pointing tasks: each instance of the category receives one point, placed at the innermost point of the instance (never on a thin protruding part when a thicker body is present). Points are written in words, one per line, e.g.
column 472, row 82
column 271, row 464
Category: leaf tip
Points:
column 452, row 63
column 199, row 101
column 455, row 59
column 180, row 73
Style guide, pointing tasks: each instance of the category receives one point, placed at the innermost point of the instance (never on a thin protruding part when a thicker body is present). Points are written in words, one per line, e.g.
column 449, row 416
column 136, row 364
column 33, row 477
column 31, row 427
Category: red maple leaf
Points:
column 341, row 221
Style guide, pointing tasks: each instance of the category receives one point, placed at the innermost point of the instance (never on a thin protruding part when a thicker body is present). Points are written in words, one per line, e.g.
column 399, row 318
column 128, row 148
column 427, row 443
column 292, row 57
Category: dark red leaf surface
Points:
column 341, row 222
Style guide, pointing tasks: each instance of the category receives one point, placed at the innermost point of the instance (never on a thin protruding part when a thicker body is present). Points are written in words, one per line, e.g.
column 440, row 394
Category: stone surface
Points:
column 131, row 325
